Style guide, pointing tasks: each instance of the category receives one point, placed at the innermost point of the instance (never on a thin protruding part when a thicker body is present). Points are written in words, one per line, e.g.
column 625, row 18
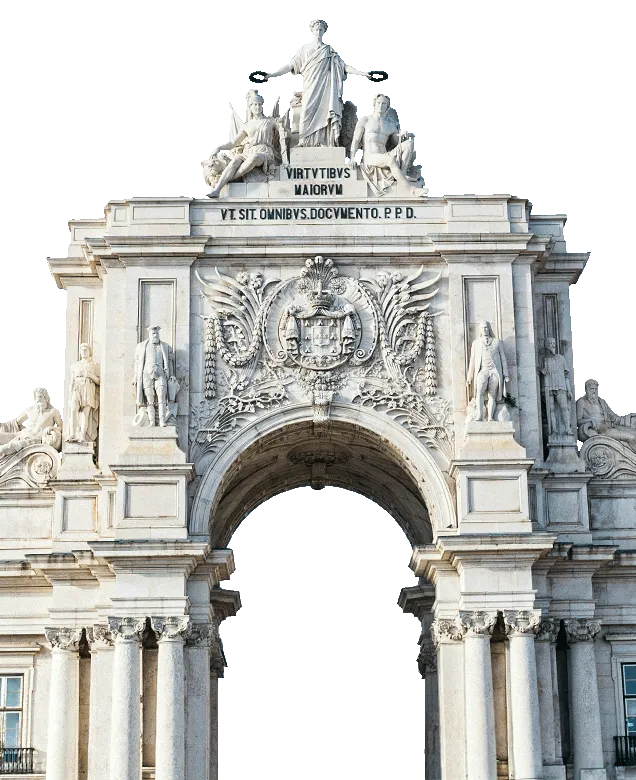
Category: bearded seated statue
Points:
column 38, row 424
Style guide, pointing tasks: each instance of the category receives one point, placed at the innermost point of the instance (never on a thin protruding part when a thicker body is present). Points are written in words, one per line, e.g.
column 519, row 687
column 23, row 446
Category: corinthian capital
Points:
column 170, row 628
column 519, row 622
column 445, row 630
column 126, row 628
column 64, row 638
column 202, row 635
column 100, row 637
column 548, row 630
column 427, row 659
column 478, row 623
column 582, row 629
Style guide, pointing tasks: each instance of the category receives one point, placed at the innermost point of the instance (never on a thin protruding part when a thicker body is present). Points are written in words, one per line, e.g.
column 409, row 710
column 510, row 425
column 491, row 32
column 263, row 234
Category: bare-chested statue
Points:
column 389, row 153
column 593, row 416
column 253, row 147
column 39, row 424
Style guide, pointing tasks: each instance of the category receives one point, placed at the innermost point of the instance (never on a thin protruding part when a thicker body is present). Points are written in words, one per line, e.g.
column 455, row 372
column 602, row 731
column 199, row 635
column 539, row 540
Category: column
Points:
column 102, row 645
column 199, row 699
column 125, row 736
column 170, row 755
column 216, row 671
column 545, row 652
column 585, row 714
column 427, row 665
column 481, row 753
column 61, row 752
column 447, row 637
column 524, row 694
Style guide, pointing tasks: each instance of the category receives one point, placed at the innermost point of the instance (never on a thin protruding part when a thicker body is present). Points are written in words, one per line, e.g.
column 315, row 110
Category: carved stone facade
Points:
column 298, row 331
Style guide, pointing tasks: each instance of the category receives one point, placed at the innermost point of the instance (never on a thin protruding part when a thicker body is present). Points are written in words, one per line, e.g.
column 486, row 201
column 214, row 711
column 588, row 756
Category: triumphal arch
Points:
column 319, row 319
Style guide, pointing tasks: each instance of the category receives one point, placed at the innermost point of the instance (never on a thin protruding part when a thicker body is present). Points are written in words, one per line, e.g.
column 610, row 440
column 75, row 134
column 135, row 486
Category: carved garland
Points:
column 312, row 330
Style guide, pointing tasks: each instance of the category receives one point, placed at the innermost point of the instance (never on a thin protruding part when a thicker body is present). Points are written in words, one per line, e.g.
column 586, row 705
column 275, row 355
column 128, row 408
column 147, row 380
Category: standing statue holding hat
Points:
column 155, row 383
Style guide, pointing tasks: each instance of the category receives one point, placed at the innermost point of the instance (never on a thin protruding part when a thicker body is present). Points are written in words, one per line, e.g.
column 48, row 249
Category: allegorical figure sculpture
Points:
column 253, row 147
column 593, row 416
column 388, row 153
column 558, row 393
column 83, row 404
column 155, row 381
column 39, row 424
column 487, row 371
column 323, row 73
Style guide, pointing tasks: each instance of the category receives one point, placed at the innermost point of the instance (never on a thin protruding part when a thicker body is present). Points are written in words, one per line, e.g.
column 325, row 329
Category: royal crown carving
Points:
column 314, row 337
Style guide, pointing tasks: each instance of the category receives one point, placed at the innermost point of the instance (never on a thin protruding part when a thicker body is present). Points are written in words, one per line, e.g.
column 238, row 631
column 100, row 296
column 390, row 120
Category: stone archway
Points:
column 288, row 449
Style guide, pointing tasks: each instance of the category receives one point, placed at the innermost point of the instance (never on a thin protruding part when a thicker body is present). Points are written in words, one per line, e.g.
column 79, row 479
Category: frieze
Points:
column 608, row 458
column 317, row 336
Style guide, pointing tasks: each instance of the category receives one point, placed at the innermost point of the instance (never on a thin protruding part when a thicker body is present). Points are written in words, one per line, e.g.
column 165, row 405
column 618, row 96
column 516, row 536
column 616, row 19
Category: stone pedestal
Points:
column 78, row 461
column 563, row 455
column 61, row 753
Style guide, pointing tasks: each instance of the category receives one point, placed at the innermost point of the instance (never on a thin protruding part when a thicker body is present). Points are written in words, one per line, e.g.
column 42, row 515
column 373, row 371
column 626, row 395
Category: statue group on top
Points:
column 319, row 118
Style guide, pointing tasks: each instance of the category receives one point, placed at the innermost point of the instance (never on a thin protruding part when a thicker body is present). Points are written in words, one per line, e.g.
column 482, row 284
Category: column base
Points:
column 553, row 772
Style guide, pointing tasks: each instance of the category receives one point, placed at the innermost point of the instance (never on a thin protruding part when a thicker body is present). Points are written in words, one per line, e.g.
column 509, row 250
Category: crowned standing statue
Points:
column 323, row 72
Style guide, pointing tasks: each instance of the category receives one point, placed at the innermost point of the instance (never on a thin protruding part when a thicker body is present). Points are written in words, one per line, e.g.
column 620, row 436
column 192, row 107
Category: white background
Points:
column 110, row 100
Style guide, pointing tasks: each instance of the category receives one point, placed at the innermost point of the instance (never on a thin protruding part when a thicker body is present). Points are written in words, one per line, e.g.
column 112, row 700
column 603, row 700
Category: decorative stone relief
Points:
column 83, row 404
column 33, row 467
column 156, row 385
column 477, row 623
column 609, row 448
column 389, row 153
column 519, row 622
column 310, row 335
column 582, row 629
column 126, row 628
column 443, row 629
column 64, row 638
column 208, row 635
column 487, row 376
column 172, row 627
column 427, row 658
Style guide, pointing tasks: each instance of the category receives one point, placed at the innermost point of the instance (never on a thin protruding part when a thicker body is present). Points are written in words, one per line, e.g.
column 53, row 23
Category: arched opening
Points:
column 322, row 678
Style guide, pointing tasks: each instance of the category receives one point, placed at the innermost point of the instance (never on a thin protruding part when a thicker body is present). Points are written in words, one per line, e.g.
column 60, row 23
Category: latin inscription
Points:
column 302, row 213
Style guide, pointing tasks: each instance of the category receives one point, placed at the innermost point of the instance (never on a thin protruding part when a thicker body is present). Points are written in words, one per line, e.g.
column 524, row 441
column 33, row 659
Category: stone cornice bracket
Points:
column 64, row 638
column 547, row 630
column 478, row 623
column 171, row 628
column 520, row 622
column 446, row 630
column 126, row 629
column 581, row 629
column 100, row 637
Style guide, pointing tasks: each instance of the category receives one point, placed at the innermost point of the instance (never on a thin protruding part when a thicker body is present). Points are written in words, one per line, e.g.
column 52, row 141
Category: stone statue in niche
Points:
column 594, row 417
column 324, row 73
column 557, row 390
column 254, row 146
column 39, row 424
column 487, row 373
column 389, row 153
column 155, row 383
column 83, row 405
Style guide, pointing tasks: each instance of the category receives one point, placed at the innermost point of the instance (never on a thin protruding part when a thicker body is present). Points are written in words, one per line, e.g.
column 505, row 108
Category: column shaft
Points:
column 447, row 635
column 198, row 713
column 214, row 725
column 524, row 706
column 170, row 755
column 432, row 769
column 481, row 756
column 585, row 714
column 61, row 759
column 125, row 739
column 101, row 705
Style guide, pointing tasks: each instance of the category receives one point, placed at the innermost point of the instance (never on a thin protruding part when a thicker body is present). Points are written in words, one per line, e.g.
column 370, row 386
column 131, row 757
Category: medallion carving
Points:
column 315, row 337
